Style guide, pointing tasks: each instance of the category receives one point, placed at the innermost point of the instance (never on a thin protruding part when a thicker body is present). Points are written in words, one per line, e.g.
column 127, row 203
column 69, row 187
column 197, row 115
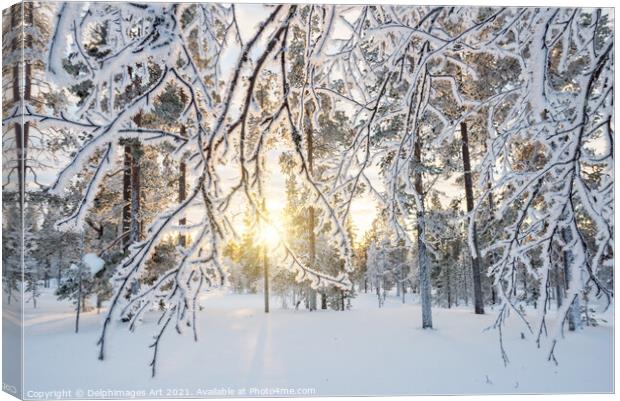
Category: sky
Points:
column 364, row 207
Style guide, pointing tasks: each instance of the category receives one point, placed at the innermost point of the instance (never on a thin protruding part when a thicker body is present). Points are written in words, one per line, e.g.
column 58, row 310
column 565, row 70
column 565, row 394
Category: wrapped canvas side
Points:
column 14, row 137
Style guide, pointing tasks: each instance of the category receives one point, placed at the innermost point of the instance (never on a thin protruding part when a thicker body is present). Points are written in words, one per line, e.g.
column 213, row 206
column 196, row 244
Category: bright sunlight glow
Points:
column 269, row 235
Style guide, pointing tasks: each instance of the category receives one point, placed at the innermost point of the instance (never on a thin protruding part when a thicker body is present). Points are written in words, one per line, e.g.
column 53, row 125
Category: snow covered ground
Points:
column 365, row 351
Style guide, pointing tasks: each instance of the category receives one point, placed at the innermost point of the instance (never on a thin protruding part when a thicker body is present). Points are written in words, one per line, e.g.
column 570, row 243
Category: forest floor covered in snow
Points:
column 363, row 351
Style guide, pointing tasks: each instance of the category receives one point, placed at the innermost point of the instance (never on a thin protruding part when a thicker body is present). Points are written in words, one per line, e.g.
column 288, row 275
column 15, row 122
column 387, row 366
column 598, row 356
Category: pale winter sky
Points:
column 364, row 208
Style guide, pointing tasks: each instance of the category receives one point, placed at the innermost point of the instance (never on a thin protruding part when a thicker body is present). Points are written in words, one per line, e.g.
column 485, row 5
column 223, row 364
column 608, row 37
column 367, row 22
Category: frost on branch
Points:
column 116, row 61
column 391, row 85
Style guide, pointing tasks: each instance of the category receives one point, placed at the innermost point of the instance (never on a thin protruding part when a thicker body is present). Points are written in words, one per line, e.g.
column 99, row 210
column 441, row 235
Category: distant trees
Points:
column 387, row 269
column 77, row 287
column 245, row 254
column 519, row 91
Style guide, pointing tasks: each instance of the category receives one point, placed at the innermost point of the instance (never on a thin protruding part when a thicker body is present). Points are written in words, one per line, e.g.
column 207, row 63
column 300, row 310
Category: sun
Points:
column 268, row 235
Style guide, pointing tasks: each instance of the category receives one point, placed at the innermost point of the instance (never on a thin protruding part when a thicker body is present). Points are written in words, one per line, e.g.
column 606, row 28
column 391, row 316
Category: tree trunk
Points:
column 558, row 287
column 525, row 284
column 126, row 224
column 182, row 192
column 79, row 301
column 46, row 274
column 469, row 197
column 573, row 316
column 59, row 267
column 182, row 195
column 493, row 256
column 448, row 288
column 131, row 225
column 403, row 289
column 136, row 186
column 135, row 195
column 99, row 302
column 423, row 268
column 34, row 292
column 266, row 277
column 311, row 217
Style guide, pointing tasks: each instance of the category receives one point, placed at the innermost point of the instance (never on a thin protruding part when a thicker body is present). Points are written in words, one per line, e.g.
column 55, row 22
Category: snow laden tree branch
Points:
column 551, row 162
column 125, row 56
column 535, row 86
column 415, row 56
column 560, row 105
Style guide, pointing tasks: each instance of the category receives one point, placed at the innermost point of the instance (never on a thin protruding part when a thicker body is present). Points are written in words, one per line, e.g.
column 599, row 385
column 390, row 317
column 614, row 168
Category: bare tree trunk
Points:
column 59, row 279
column 182, row 191
column 126, row 223
column 131, row 225
column 266, row 277
column 558, row 287
column 135, row 198
column 423, row 268
column 469, row 197
column 493, row 256
column 425, row 285
column 525, row 284
column 34, row 291
column 448, row 288
column 136, row 155
column 403, row 289
column 46, row 273
column 311, row 217
column 79, row 300
column 573, row 316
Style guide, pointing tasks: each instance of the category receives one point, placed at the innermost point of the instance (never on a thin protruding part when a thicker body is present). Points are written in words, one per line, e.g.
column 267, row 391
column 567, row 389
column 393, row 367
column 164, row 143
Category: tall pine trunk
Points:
column 423, row 267
column 135, row 230
column 78, row 300
column 469, row 197
column 265, row 276
column 448, row 288
column 573, row 315
column 126, row 223
column 311, row 217
column 135, row 196
column 182, row 191
column 493, row 256
column 131, row 223
column 558, row 287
